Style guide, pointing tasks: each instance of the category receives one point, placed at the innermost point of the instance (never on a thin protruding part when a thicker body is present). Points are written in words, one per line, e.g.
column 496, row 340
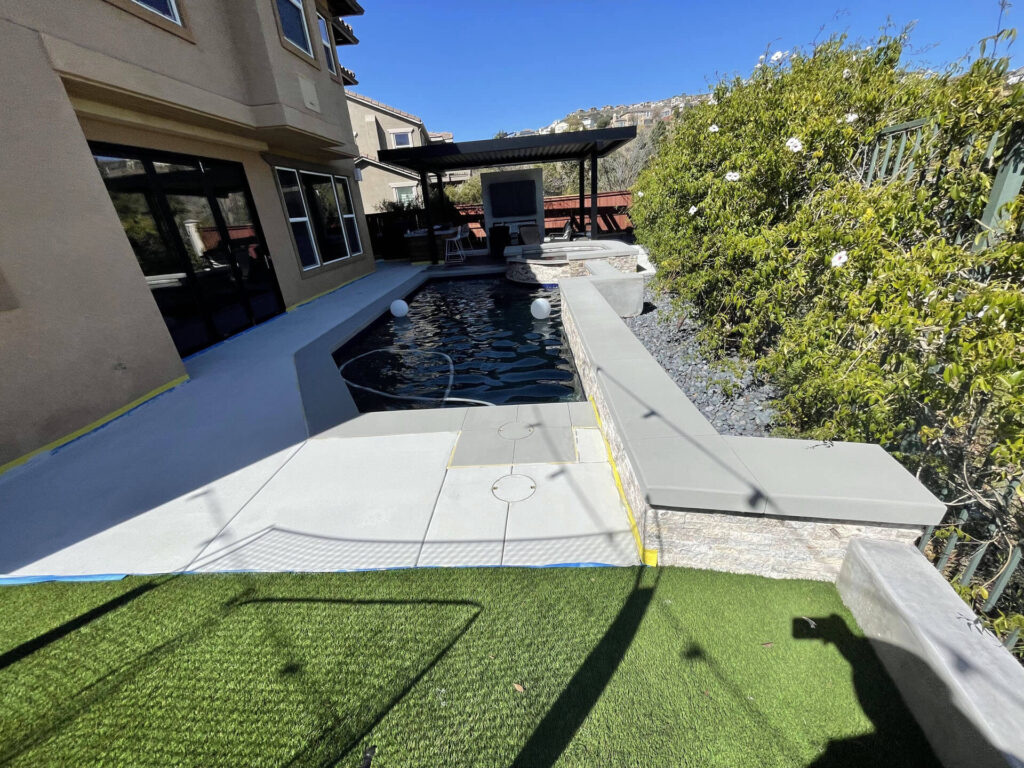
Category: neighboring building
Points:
column 176, row 172
column 378, row 126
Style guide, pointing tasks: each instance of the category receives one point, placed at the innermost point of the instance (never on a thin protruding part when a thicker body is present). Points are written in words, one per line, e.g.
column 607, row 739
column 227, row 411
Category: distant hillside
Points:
column 642, row 114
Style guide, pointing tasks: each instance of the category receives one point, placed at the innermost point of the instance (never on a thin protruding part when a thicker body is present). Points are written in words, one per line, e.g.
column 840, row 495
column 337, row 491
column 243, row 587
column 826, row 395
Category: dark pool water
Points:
column 499, row 352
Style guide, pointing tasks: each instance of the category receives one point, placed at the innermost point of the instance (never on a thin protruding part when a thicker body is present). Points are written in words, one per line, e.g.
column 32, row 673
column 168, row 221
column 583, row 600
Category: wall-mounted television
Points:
column 513, row 199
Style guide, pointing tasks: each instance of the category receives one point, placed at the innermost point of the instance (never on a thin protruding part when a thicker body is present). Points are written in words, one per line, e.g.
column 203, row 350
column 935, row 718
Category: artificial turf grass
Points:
column 618, row 667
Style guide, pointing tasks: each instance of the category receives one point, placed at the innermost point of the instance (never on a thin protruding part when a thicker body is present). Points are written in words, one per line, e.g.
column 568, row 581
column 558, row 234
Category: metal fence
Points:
column 897, row 153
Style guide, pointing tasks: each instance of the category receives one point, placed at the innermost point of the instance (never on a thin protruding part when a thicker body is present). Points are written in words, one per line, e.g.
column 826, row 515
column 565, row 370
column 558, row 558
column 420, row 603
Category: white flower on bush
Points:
column 713, row 129
column 851, row 117
column 761, row 57
column 982, row 312
column 777, row 57
column 640, row 193
column 794, row 144
column 839, row 259
column 732, row 176
column 847, row 74
column 693, row 209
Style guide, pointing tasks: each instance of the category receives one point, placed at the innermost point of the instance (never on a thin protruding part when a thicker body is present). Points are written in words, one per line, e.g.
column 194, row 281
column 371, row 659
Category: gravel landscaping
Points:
column 732, row 399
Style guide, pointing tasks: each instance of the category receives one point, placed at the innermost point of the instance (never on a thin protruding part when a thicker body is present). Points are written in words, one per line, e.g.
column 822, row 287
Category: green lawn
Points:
column 618, row 667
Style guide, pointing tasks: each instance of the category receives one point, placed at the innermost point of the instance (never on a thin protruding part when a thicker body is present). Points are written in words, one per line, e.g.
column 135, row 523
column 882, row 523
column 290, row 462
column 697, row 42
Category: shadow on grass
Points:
column 558, row 727
column 71, row 625
column 894, row 724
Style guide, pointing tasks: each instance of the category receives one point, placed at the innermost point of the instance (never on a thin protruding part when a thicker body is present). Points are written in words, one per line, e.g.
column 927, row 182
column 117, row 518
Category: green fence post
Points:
column 973, row 564
column 948, row 551
column 1005, row 188
column 926, row 537
column 1003, row 580
column 1011, row 640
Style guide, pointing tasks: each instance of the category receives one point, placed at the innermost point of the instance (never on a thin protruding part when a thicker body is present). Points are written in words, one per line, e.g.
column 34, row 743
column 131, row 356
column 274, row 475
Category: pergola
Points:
column 580, row 146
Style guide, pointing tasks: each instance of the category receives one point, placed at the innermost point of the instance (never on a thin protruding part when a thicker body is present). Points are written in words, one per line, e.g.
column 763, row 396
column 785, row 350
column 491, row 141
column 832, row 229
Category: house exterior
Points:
column 177, row 172
column 378, row 126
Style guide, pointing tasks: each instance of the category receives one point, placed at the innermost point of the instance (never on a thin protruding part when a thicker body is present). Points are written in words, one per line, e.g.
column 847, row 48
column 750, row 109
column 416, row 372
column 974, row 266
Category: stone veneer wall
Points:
column 756, row 544
column 537, row 271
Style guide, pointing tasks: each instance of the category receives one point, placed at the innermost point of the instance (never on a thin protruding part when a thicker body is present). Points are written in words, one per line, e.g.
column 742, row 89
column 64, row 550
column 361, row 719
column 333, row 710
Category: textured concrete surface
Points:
column 964, row 688
column 625, row 292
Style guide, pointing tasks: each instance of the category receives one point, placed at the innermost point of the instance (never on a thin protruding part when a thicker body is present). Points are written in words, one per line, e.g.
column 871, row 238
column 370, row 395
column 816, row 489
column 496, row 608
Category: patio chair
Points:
column 455, row 248
column 529, row 234
column 568, row 233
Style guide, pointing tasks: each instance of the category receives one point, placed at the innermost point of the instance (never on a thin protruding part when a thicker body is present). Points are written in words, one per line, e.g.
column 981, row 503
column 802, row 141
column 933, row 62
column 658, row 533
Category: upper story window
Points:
column 166, row 8
column 293, row 24
column 401, row 138
column 325, row 39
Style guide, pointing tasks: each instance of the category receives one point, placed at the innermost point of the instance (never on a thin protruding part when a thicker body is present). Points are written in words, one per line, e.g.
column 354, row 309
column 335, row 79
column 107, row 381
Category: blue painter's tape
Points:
column 10, row 581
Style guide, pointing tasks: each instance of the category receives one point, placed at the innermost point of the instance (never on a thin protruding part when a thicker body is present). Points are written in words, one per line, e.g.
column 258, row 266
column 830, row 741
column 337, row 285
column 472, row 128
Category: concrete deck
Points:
column 221, row 474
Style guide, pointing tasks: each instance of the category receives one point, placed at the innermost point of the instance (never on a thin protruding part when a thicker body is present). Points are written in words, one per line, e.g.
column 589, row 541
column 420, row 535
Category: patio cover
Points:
column 513, row 150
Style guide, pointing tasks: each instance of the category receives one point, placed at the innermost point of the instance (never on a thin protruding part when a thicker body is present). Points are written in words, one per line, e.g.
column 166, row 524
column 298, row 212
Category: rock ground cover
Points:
column 729, row 396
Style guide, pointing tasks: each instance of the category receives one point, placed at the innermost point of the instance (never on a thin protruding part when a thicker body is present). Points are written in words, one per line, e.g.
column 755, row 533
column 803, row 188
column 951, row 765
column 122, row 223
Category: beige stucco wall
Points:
column 376, row 187
column 81, row 334
column 85, row 337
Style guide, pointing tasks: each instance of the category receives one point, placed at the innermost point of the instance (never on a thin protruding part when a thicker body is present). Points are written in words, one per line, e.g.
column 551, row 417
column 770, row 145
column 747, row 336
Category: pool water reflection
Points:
column 499, row 353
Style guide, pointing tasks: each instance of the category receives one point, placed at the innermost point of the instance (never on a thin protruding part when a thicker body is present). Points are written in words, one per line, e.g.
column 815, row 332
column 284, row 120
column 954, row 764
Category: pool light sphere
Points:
column 540, row 309
column 399, row 308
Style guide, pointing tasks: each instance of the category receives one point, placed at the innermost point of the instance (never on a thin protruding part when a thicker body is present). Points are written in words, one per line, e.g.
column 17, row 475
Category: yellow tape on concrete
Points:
column 94, row 425
column 302, row 303
column 647, row 556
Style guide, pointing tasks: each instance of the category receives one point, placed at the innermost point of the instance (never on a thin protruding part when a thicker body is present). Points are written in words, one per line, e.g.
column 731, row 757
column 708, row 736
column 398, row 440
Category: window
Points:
column 321, row 216
column 325, row 216
column 401, row 138
column 166, row 8
column 293, row 24
column 405, row 195
column 325, row 38
column 348, row 216
column 298, row 218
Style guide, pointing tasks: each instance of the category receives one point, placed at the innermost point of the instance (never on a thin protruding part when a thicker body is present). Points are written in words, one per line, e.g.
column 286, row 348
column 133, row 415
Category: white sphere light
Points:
column 540, row 309
column 399, row 308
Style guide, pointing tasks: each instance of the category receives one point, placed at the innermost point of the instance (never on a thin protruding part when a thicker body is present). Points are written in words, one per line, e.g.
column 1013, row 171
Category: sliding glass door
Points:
column 194, row 231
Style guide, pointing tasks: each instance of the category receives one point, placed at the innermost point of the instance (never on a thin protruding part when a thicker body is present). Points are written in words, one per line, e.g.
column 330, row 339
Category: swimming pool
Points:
column 472, row 338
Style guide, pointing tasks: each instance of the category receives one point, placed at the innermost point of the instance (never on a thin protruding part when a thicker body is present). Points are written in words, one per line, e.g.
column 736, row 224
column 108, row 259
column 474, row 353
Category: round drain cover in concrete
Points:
column 513, row 487
column 515, row 430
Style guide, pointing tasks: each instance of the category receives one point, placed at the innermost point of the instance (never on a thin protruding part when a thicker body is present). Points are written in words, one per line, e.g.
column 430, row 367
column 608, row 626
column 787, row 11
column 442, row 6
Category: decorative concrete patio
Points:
column 221, row 474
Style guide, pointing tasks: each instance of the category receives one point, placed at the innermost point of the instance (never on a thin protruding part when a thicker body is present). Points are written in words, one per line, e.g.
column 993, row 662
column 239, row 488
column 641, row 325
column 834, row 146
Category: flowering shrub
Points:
column 877, row 309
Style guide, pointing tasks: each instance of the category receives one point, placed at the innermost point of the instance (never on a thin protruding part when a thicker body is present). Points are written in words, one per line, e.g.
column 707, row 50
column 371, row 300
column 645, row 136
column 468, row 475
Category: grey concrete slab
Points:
column 364, row 498
column 416, row 421
column 582, row 414
column 546, row 444
column 965, row 690
column 837, row 481
column 544, row 414
column 696, row 472
column 603, row 549
column 468, row 523
column 623, row 291
column 490, row 417
column 590, row 445
column 575, row 515
column 482, row 447
column 646, row 403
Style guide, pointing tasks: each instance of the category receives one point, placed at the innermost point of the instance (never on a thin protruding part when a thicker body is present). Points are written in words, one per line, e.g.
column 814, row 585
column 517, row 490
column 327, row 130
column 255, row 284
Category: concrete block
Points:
column 965, row 690
column 838, row 481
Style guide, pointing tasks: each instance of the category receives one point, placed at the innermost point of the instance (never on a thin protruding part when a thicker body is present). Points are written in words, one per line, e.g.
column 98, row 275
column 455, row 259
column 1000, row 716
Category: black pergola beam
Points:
column 514, row 150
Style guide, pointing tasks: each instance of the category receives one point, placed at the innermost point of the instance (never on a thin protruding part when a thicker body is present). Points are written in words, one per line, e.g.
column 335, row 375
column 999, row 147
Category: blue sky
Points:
column 478, row 66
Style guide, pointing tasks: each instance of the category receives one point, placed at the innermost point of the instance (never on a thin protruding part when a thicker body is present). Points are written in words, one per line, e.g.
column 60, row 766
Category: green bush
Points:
column 915, row 337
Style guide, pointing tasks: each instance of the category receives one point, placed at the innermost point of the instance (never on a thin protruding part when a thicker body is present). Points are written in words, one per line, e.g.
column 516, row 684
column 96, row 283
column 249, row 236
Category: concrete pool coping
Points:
column 771, row 506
